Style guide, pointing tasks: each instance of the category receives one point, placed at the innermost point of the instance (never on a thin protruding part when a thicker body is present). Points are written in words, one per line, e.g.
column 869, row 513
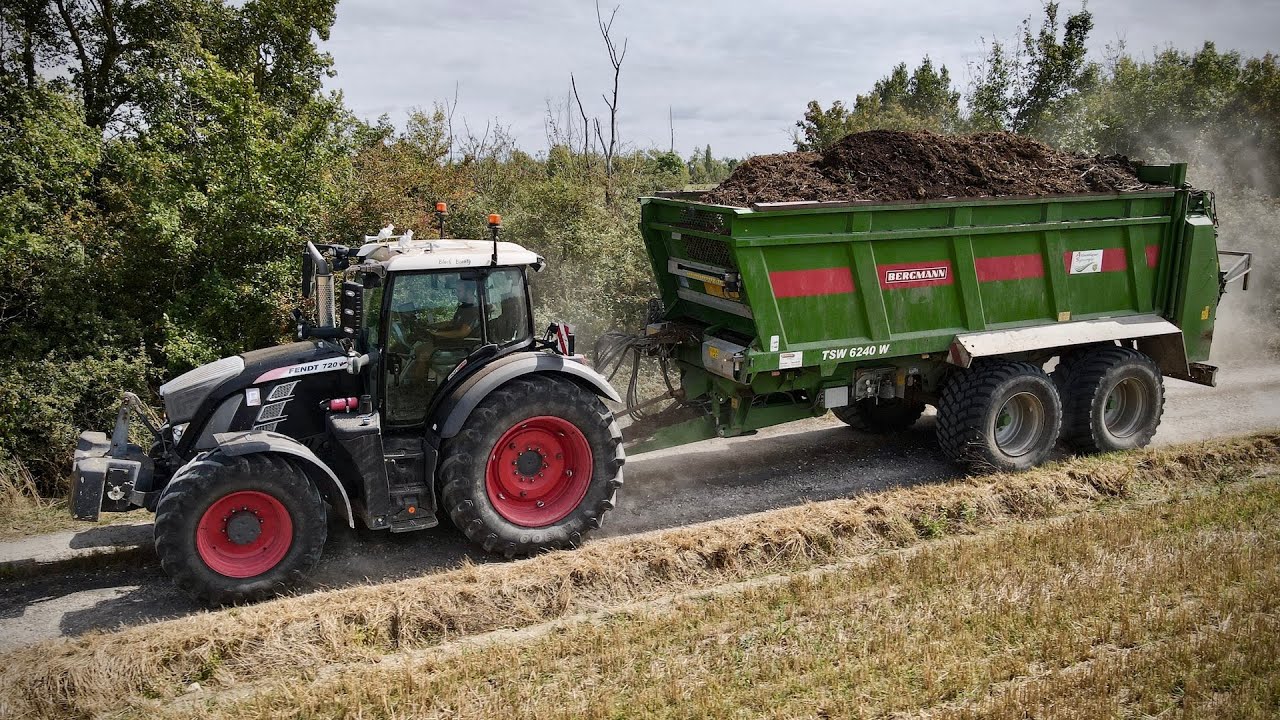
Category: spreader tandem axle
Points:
column 433, row 397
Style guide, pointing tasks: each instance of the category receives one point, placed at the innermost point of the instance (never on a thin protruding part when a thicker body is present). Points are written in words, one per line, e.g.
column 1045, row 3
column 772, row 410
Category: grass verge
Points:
column 24, row 513
column 292, row 638
column 1140, row 611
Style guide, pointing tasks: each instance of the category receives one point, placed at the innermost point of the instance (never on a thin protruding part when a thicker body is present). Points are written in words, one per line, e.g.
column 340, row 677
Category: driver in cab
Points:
column 466, row 319
column 438, row 343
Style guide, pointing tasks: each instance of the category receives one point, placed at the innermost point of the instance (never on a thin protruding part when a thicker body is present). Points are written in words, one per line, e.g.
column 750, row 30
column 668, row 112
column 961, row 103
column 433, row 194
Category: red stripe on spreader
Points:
column 1023, row 267
column 902, row 276
column 807, row 283
column 1009, row 267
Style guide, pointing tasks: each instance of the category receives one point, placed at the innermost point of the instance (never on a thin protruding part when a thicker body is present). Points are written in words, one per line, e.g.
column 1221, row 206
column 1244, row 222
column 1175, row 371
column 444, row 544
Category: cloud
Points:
column 735, row 74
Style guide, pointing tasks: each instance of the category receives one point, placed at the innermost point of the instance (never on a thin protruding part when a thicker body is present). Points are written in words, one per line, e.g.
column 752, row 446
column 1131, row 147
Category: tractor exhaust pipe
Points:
column 324, row 301
column 318, row 276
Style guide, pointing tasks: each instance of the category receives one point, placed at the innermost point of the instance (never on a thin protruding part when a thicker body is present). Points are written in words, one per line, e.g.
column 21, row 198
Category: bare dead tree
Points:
column 671, row 125
column 586, row 126
column 616, row 57
column 450, row 108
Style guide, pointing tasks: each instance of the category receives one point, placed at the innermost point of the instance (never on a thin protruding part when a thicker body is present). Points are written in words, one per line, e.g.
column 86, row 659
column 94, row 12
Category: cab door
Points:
column 434, row 320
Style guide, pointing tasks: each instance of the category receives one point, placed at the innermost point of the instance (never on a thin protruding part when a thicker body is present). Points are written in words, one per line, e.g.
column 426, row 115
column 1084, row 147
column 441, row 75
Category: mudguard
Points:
column 248, row 442
column 453, row 412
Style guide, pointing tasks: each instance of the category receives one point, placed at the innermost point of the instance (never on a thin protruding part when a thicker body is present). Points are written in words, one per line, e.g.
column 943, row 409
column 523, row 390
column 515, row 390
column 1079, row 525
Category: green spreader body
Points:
column 794, row 305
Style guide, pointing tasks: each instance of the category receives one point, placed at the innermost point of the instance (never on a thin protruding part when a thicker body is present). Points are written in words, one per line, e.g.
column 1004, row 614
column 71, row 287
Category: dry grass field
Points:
column 1136, row 585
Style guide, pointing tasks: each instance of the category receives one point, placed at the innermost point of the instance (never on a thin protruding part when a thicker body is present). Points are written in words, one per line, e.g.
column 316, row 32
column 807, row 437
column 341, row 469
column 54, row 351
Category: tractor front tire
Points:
column 535, row 467
column 880, row 417
column 1113, row 400
column 238, row 529
column 999, row 415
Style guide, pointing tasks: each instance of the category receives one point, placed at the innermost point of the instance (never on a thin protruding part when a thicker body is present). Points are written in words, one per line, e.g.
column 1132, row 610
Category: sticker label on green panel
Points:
column 1084, row 262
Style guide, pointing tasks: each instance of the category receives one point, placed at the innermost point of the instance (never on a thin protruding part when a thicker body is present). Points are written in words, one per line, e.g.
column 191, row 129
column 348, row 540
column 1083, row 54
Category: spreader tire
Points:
column 880, row 417
column 1113, row 400
column 535, row 467
column 238, row 529
column 999, row 415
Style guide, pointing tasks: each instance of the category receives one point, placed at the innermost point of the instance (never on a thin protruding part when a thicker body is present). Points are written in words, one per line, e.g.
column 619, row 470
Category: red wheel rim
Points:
column 244, row 534
column 538, row 471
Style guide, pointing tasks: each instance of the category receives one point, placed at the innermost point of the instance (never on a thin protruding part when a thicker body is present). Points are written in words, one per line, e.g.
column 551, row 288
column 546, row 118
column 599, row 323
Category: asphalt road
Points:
column 811, row 460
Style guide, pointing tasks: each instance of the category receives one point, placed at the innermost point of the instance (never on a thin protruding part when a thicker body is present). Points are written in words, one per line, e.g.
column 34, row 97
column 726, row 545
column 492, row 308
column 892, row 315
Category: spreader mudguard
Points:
column 235, row 444
column 453, row 410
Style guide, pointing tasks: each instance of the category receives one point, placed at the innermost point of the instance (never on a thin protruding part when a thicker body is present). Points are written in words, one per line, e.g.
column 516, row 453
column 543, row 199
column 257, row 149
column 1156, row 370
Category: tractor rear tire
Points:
column 880, row 417
column 536, row 467
column 999, row 415
column 239, row 529
column 1113, row 400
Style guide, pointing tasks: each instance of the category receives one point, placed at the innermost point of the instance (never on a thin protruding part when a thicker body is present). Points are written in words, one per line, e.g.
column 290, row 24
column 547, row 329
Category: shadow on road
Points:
column 111, row 536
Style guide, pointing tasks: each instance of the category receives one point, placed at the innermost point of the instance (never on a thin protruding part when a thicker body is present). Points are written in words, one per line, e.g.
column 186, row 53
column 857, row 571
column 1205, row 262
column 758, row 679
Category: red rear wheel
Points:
column 244, row 534
column 538, row 471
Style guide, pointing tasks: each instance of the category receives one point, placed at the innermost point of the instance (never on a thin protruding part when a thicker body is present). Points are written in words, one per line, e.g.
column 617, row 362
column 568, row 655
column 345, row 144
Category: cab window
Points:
column 434, row 321
column 506, row 309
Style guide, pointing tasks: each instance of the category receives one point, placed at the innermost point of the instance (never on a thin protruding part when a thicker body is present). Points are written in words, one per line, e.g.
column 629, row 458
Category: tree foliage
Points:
column 1215, row 109
column 922, row 99
column 1017, row 89
column 159, row 162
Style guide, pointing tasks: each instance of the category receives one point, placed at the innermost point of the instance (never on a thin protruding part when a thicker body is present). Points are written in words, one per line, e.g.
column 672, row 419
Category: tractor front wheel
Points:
column 237, row 529
column 535, row 468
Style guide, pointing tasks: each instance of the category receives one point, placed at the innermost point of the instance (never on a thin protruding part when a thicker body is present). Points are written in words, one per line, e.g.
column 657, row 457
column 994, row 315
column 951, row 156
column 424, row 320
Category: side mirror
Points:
column 352, row 309
column 313, row 263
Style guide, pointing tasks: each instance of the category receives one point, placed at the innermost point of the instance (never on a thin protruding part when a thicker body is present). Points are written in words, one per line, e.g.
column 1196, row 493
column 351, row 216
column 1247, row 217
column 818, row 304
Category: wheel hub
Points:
column 1125, row 408
column 530, row 462
column 243, row 527
column 1019, row 423
column 244, row 533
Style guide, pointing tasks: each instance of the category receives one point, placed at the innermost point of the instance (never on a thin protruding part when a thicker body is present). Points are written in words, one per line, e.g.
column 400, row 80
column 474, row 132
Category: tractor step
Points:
column 411, row 524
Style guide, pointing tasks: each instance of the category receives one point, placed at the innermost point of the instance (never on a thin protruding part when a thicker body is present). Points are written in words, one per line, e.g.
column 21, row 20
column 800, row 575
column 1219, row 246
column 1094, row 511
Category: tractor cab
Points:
column 428, row 305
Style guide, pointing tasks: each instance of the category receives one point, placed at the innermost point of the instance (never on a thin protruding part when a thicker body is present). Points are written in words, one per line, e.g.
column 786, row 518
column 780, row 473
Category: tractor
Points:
column 429, row 395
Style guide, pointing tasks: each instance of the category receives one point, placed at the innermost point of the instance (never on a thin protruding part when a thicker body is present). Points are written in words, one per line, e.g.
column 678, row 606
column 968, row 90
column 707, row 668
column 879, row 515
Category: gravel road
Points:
column 810, row 460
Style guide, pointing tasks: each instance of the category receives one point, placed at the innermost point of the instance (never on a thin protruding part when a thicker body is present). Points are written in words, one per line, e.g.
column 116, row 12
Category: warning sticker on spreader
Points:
column 788, row 360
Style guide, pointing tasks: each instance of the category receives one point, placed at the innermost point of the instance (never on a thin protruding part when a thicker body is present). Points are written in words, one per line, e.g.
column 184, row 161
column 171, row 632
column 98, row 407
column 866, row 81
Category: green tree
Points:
column 1215, row 109
column 922, row 99
column 159, row 163
column 1017, row 90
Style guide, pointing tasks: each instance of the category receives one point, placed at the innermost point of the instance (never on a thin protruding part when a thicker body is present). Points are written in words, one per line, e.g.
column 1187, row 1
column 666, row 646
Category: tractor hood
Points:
column 187, row 393
column 184, row 394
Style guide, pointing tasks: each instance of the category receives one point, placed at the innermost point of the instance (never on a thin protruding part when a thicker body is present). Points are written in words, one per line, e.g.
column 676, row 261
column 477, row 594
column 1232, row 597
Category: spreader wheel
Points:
column 999, row 415
column 535, row 467
column 1113, row 400
column 234, row 529
column 880, row 416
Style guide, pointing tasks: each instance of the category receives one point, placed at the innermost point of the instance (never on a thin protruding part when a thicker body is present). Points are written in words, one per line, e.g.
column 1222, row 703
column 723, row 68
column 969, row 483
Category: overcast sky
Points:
column 736, row 73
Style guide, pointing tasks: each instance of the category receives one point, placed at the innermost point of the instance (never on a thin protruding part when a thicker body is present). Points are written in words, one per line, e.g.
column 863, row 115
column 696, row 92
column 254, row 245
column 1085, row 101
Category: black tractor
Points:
column 429, row 395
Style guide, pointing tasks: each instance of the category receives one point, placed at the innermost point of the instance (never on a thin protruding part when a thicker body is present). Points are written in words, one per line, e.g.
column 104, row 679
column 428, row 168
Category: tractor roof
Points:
column 435, row 254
